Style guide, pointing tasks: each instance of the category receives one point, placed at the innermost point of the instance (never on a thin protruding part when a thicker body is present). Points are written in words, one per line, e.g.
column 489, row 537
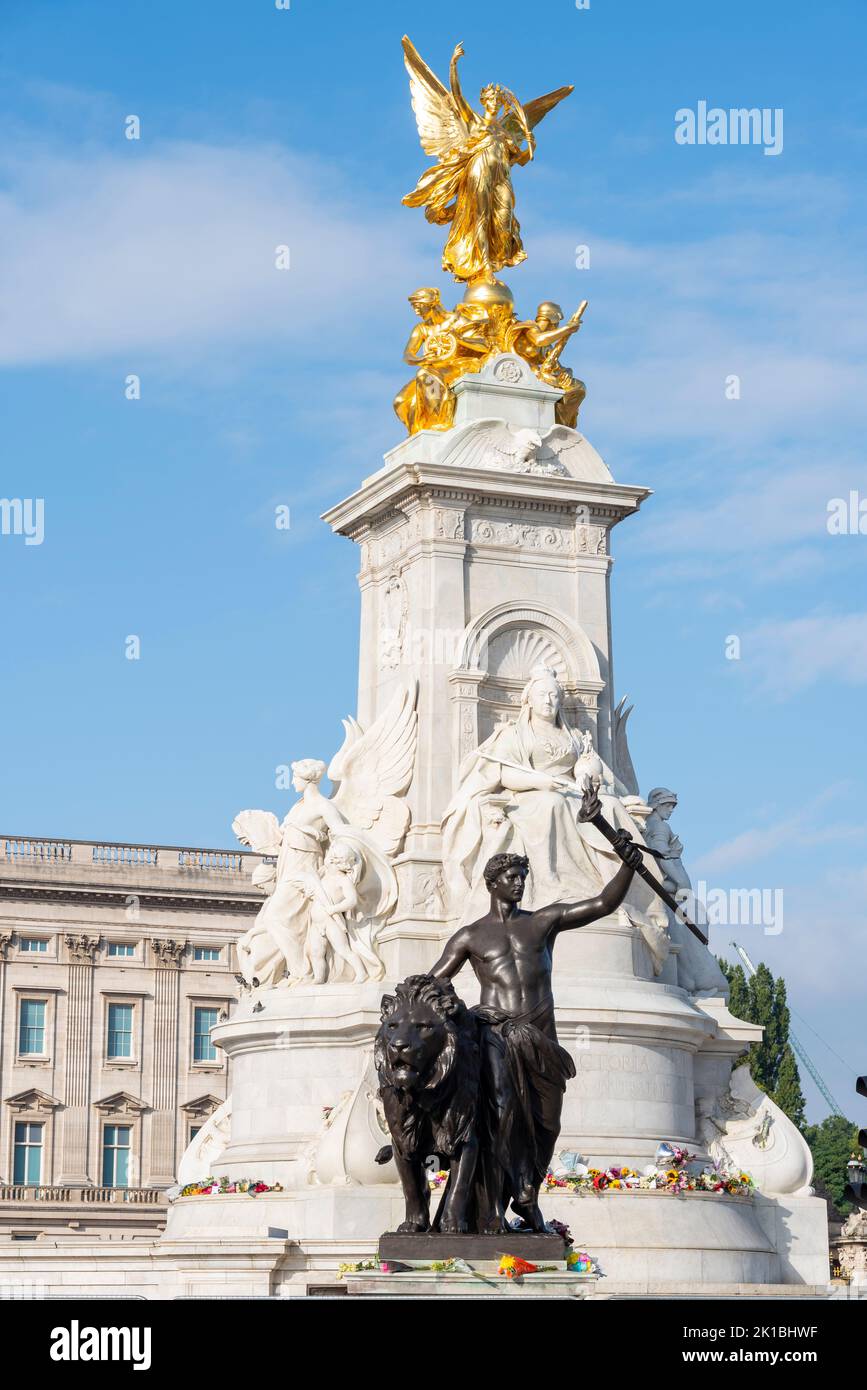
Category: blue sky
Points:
column 261, row 127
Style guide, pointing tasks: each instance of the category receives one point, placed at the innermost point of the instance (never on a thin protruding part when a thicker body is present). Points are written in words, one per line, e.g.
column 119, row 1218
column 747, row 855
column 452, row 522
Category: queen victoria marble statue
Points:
column 526, row 781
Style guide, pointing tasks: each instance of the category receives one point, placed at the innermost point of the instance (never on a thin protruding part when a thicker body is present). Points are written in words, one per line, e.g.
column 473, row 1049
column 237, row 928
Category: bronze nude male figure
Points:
column 522, row 1070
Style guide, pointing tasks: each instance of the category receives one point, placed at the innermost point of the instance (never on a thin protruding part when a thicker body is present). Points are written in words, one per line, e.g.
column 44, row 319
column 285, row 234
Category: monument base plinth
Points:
column 538, row 1247
column 477, row 1283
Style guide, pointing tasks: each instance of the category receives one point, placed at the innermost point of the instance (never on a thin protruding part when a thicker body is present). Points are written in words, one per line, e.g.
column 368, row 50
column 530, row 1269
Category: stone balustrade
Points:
column 28, row 851
column 136, row 1195
column 21, row 851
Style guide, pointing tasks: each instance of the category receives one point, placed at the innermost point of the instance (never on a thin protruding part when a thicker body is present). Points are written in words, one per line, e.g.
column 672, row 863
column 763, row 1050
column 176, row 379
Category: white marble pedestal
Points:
column 305, row 1116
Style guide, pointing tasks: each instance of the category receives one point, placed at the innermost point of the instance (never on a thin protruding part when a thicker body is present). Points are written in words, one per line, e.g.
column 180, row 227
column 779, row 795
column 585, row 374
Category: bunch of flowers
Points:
column 510, row 1266
column 678, row 1173
column 673, row 1154
column 560, row 1229
column 356, row 1267
column 454, row 1265
column 208, row 1187
column 436, row 1180
column 579, row 1262
column 513, row 1267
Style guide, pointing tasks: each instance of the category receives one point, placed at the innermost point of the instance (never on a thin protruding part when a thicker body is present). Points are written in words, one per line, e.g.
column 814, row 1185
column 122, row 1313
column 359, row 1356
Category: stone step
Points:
column 427, row 1284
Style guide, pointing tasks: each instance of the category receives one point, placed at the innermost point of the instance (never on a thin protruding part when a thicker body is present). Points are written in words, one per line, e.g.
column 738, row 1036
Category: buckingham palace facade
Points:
column 116, row 960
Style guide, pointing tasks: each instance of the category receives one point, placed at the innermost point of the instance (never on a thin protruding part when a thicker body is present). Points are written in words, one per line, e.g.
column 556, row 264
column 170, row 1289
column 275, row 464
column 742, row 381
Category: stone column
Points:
column 163, row 1120
column 5, row 940
column 75, row 1121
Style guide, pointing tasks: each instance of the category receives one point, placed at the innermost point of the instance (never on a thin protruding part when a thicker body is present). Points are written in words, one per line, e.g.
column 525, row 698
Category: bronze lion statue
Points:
column 427, row 1058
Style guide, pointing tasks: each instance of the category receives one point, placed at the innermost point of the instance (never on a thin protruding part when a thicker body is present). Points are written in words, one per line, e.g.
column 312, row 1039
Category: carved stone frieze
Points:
column 448, row 524
column 521, row 535
column 592, row 540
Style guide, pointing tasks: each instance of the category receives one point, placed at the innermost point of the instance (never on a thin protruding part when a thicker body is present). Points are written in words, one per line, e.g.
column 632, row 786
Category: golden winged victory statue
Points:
column 470, row 186
column 469, row 189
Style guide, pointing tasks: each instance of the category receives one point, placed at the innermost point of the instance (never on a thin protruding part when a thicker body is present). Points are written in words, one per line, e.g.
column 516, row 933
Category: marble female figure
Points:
column 532, row 762
column 275, row 944
column 697, row 968
column 368, row 815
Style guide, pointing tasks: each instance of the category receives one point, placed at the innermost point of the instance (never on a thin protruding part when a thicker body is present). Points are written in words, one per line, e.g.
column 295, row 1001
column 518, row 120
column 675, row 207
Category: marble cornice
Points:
column 92, row 896
column 384, row 496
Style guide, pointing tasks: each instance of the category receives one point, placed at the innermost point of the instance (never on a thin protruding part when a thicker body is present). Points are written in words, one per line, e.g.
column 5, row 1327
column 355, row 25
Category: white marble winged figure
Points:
column 287, row 944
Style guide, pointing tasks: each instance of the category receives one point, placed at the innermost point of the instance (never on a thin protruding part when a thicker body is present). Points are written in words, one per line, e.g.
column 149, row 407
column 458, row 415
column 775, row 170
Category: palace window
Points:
column 206, row 953
column 120, row 948
column 31, row 1028
column 120, row 1017
column 203, row 1021
column 27, row 1154
column 34, row 944
column 116, row 1146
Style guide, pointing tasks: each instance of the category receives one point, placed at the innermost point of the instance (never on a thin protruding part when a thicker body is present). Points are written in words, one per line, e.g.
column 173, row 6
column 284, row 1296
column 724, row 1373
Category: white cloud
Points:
column 110, row 253
column 821, row 946
column 786, row 658
column 671, row 319
column 802, row 828
column 760, row 843
column 165, row 251
column 780, row 502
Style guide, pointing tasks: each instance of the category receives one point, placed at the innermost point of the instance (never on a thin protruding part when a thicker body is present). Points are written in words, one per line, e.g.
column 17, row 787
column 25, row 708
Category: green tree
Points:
column 739, row 1001
column 832, row 1142
column 762, row 999
column 787, row 1092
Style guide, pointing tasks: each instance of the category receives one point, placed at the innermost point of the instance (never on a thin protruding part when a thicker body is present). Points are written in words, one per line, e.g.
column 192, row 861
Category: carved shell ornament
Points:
column 512, row 654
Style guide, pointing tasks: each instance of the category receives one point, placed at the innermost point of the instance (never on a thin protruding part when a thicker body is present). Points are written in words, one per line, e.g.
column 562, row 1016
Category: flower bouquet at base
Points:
column 579, row 1262
column 675, row 1171
column 215, row 1187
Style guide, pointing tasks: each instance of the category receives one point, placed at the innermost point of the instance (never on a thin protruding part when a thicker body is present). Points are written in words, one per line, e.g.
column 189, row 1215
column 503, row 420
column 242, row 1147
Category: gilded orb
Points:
column 488, row 294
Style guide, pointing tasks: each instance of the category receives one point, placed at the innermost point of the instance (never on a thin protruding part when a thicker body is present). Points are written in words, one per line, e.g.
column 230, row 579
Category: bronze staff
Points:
column 606, row 829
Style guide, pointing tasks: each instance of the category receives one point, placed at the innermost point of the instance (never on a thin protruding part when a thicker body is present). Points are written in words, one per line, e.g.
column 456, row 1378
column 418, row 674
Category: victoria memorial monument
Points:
column 486, row 705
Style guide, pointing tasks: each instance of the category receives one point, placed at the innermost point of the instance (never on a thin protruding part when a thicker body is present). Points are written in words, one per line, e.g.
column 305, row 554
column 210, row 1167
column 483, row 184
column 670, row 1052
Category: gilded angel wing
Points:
column 258, row 829
column 535, row 111
column 440, row 125
column 372, row 769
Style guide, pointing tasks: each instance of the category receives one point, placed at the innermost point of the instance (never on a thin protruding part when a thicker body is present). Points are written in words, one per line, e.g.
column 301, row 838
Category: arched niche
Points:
column 498, row 651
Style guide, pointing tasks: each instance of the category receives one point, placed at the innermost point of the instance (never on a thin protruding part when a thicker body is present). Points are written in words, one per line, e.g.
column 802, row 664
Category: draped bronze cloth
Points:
column 525, row 1122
